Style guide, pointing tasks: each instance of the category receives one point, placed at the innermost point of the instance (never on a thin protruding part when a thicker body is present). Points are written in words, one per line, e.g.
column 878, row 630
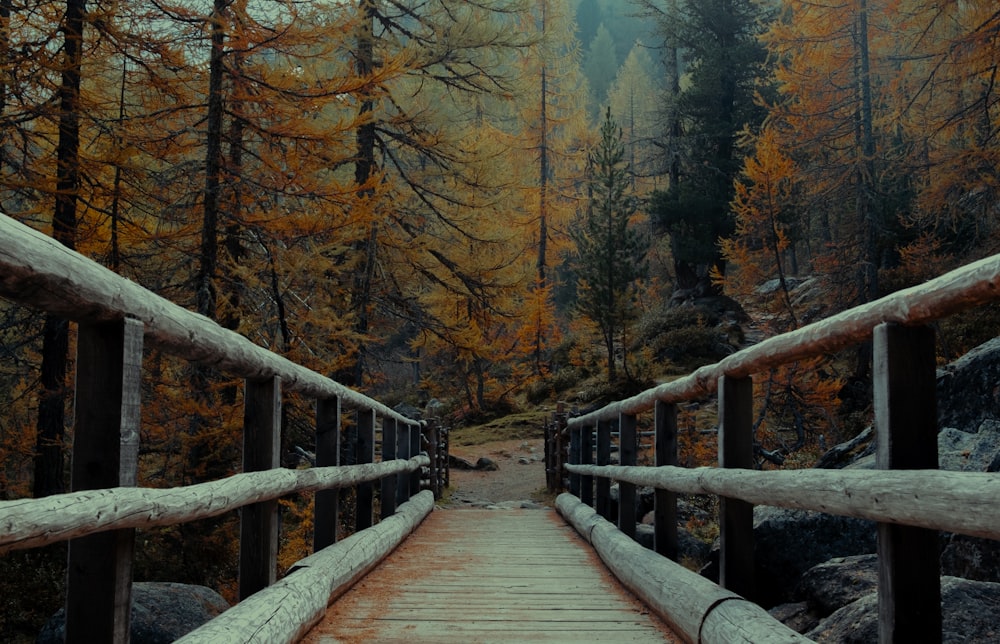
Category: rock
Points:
column 796, row 616
column 971, row 557
column 460, row 463
column 968, row 612
column 161, row 613
column 408, row 410
column 486, row 465
column 970, row 451
column 967, row 390
column 523, row 460
column 836, row 583
column 789, row 542
column 689, row 548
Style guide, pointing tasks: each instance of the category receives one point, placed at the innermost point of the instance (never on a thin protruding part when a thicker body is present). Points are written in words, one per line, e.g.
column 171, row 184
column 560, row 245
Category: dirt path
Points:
column 520, row 476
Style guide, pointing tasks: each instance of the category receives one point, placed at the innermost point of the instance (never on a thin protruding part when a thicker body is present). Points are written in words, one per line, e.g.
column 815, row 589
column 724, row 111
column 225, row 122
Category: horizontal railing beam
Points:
column 963, row 502
column 972, row 285
column 29, row 523
column 37, row 271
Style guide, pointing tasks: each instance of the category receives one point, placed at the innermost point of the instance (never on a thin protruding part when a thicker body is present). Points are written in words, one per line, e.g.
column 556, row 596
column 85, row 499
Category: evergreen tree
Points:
column 726, row 64
column 600, row 65
column 610, row 253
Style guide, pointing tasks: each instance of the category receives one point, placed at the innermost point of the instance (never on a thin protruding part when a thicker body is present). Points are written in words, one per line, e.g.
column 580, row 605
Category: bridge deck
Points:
column 490, row 576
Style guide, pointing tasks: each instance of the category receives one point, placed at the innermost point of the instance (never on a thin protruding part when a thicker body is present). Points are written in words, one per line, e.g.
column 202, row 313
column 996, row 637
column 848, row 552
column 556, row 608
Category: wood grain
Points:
column 489, row 576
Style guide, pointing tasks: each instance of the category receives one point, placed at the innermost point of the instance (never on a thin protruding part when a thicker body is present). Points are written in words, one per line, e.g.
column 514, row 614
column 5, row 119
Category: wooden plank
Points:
column 575, row 451
column 665, row 501
column 904, row 387
column 326, row 503
column 504, row 585
column 627, row 452
column 736, row 560
column 403, row 451
column 105, row 451
column 415, row 448
column 261, row 452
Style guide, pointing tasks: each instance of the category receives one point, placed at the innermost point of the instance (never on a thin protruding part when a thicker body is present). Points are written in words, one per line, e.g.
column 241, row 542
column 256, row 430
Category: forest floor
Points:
column 519, row 477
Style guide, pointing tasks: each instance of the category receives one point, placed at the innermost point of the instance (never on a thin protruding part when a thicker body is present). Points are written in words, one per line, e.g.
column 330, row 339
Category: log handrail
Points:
column 963, row 288
column 31, row 523
column 40, row 272
column 963, row 502
column 907, row 496
column 116, row 317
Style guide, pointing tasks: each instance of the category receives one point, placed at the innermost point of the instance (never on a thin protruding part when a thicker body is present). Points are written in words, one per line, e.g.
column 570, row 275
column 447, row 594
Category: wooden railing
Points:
column 910, row 503
column 116, row 317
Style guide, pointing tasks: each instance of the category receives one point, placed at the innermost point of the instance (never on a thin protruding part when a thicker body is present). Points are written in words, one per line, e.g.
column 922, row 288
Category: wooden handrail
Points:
column 963, row 502
column 972, row 285
column 38, row 271
column 907, row 497
column 30, row 523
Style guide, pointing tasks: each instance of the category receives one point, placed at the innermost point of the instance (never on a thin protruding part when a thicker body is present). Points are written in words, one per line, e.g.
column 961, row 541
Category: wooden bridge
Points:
column 484, row 575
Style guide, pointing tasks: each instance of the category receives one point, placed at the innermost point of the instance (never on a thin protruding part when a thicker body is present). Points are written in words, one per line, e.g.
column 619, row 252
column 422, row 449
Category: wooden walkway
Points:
column 490, row 576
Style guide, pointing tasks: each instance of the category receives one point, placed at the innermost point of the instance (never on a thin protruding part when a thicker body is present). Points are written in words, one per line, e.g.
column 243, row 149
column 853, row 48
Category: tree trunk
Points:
column 49, row 462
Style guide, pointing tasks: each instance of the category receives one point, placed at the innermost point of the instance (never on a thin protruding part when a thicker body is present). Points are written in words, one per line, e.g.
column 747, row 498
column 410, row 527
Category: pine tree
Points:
column 610, row 252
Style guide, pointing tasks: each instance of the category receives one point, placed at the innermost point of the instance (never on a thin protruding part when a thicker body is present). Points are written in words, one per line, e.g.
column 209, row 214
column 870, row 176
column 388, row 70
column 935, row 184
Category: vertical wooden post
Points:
column 904, row 388
column 602, row 502
column 388, row 495
column 364, row 515
column 433, row 430
column 550, row 465
column 627, row 453
column 575, row 447
column 403, row 452
column 259, row 521
column 105, row 451
column 665, row 501
column 587, row 458
column 326, row 503
column 736, row 559
column 415, row 451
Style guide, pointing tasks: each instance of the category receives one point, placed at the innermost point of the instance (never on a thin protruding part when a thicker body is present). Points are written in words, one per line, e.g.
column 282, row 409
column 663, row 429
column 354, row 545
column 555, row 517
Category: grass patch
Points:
column 523, row 426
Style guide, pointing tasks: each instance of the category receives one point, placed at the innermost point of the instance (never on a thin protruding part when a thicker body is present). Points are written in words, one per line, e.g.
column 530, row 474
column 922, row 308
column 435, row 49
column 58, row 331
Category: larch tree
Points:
column 610, row 255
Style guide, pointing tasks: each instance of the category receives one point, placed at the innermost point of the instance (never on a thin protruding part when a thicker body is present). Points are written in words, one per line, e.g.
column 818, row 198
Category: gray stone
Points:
column 968, row 612
column 161, row 613
column 836, row 583
column 967, row 389
column 789, row 542
column 797, row 616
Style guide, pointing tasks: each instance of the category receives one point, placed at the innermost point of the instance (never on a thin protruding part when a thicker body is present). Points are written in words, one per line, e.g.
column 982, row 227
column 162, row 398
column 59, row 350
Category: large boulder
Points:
column 162, row 612
column 967, row 390
column 787, row 543
column 834, row 584
column 968, row 613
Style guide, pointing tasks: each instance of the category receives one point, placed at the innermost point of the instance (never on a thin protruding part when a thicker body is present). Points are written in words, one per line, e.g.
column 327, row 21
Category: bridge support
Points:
column 364, row 514
column 736, row 559
column 259, row 521
column 627, row 453
column 105, row 453
column 665, row 501
column 326, row 503
column 389, row 440
column 904, row 378
column 603, row 501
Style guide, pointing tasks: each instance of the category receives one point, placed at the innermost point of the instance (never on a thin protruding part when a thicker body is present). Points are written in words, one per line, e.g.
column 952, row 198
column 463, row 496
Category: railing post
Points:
column 433, row 430
column 259, row 521
column 736, row 558
column 388, row 494
column 403, row 452
column 326, row 503
column 365, row 514
column 105, row 451
column 587, row 458
column 575, row 448
column 602, row 501
column 627, row 453
column 415, row 451
column 665, row 501
column 904, row 388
